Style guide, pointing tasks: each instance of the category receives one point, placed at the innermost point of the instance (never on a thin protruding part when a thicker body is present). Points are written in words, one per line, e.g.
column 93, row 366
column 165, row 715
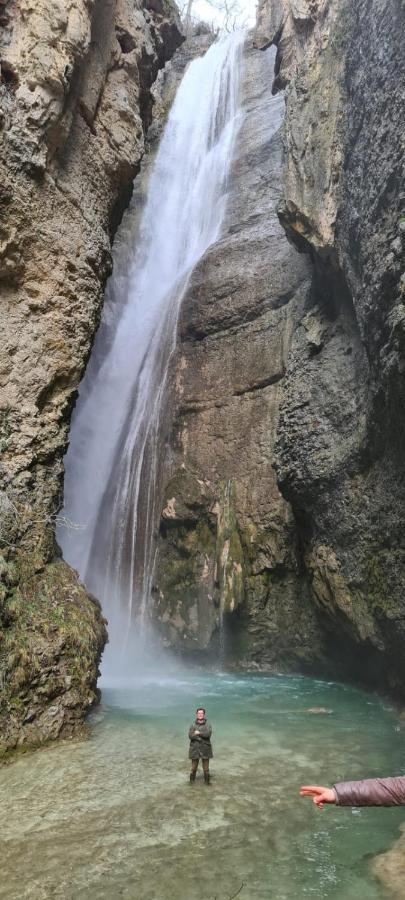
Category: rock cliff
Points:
column 297, row 361
column 340, row 438
column 76, row 99
column 229, row 569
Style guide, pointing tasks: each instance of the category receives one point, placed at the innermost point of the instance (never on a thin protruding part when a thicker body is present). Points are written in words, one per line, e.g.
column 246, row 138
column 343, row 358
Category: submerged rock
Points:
column 389, row 867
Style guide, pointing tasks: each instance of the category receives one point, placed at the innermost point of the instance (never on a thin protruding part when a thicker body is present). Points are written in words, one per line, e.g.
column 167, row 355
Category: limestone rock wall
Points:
column 75, row 101
column 285, row 495
column 229, row 578
column 341, row 431
column 309, row 35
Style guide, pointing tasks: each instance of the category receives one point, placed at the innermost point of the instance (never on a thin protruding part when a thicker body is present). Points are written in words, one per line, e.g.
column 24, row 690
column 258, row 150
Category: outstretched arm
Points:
column 369, row 792
column 372, row 792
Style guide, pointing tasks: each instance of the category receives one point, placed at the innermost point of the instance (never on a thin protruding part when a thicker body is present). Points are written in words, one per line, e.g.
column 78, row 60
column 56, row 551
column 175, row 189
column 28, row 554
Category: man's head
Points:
column 200, row 712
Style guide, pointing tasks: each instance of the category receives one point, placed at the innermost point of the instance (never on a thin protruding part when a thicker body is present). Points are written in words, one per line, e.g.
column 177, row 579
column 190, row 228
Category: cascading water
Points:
column 112, row 465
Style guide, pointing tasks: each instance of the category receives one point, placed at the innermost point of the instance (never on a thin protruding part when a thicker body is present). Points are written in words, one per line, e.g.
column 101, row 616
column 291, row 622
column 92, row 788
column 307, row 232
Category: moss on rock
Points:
column 186, row 602
column 230, row 557
column 52, row 634
column 49, row 652
column 338, row 598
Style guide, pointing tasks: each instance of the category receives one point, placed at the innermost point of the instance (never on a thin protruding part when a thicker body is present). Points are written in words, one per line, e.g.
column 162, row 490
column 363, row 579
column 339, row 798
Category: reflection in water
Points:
column 116, row 817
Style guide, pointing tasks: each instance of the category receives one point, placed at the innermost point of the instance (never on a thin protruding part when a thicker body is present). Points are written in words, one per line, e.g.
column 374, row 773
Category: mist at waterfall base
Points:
column 112, row 468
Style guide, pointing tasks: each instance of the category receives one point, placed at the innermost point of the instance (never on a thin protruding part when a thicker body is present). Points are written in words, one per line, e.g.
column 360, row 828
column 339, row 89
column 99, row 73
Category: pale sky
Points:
column 244, row 10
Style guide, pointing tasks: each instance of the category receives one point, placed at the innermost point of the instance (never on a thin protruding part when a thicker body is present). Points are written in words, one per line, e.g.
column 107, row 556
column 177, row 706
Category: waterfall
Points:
column 112, row 464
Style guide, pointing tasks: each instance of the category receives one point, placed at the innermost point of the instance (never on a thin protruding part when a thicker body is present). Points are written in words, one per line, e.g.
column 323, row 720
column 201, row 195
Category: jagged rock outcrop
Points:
column 309, row 35
column 341, row 431
column 76, row 100
column 229, row 565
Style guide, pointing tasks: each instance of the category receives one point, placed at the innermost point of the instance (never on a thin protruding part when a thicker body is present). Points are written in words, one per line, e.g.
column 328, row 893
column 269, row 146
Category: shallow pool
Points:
column 116, row 817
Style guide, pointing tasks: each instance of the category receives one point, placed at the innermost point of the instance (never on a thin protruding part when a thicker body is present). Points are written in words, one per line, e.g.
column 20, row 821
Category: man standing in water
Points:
column 200, row 745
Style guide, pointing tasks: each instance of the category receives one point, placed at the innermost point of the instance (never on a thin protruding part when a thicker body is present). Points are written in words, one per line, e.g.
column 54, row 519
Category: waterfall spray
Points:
column 112, row 465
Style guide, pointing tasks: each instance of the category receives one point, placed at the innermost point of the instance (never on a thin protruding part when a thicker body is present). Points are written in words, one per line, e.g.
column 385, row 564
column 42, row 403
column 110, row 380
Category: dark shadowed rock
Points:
column 341, row 432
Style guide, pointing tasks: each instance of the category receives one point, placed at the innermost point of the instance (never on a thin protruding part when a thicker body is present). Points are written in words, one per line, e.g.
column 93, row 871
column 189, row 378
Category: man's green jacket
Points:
column 200, row 744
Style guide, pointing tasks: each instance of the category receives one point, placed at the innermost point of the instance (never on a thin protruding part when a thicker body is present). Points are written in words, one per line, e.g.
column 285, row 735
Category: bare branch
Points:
column 65, row 522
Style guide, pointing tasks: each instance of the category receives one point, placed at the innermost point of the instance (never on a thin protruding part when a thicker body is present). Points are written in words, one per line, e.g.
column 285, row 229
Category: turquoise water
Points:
column 115, row 817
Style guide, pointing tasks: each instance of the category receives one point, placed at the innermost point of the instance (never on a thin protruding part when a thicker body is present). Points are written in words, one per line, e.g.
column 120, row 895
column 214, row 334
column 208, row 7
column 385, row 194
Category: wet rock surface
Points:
column 228, row 555
column 75, row 98
column 52, row 639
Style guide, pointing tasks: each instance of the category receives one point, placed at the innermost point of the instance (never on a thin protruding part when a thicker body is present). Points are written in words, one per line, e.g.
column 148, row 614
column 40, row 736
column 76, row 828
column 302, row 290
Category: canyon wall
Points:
column 229, row 578
column 306, row 564
column 340, row 441
column 76, row 100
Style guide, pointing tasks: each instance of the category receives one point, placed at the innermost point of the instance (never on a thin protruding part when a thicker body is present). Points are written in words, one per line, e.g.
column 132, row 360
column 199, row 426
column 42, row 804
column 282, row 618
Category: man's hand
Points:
column 196, row 731
column 320, row 795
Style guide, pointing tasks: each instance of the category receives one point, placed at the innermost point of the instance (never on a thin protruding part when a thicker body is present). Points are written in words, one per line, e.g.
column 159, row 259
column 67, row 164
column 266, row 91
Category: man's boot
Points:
column 192, row 775
column 206, row 777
